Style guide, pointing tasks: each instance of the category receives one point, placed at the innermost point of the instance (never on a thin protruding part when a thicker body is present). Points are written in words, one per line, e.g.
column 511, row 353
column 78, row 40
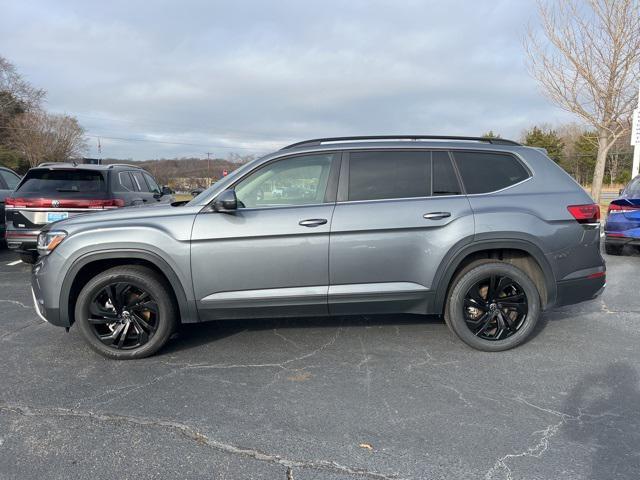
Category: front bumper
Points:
column 580, row 290
column 46, row 313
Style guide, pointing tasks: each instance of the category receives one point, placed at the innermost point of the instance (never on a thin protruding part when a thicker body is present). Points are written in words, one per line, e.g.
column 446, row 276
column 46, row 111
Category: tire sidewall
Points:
column 455, row 313
column 140, row 279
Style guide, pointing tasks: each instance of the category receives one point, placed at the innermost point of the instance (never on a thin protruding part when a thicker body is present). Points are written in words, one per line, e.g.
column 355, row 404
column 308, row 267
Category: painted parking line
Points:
column 11, row 264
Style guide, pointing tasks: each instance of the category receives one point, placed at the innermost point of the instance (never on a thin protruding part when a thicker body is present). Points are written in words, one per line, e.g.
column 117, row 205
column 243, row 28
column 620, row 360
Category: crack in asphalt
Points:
column 542, row 445
column 197, row 436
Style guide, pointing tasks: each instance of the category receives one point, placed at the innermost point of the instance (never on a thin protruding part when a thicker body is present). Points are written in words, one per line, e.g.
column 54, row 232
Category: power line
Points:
column 130, row 139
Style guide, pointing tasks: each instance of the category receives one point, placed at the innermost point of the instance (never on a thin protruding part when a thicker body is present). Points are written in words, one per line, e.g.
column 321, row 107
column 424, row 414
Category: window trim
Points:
column 330, row 193
column 343, row 187
column 137, row 184
column 514, row 155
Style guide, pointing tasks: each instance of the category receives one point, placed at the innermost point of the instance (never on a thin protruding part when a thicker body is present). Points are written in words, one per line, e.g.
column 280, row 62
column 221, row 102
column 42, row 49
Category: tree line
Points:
column 29, row 135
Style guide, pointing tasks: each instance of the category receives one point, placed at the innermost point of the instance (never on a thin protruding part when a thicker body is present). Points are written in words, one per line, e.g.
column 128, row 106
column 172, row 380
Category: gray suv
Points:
column 486, row 232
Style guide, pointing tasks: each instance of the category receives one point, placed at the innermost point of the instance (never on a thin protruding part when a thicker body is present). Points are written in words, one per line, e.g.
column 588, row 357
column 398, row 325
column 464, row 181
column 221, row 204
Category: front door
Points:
column 398, row 214
column 270, row 256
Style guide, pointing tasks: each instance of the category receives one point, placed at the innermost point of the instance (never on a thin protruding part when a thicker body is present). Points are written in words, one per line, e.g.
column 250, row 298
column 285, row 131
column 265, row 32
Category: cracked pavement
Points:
column 299, row 398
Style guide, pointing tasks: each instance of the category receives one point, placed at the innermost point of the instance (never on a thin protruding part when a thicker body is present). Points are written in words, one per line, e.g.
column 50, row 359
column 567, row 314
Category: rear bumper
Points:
column 579, row 290
column 26, row 240
column 622, row 241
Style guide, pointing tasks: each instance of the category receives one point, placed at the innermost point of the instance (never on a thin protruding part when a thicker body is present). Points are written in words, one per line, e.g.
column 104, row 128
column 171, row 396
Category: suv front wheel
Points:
column 126, row 312
column 492, row 306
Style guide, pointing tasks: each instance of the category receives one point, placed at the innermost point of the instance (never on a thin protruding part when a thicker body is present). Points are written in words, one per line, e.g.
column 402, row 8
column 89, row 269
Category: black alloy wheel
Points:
column 126, row 312
column 123, row 316
column 495, row 307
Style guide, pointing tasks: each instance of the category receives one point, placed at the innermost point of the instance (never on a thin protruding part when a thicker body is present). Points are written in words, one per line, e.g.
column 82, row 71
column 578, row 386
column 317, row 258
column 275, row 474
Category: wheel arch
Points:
column 520, row 253
column 92, row 263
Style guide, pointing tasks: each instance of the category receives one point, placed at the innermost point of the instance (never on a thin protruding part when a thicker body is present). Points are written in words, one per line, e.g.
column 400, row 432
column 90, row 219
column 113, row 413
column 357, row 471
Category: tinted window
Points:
column 52, row 182
column 141, row 185
column 487, row 172
column 10, row 179
column 293, row 181
column 445, row 181
column 126, row 182
column 378, row 175
column 633, row 190
column 153, row 186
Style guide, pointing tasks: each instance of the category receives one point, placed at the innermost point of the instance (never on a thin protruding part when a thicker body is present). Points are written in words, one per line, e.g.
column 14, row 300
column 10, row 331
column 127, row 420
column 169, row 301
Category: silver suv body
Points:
column 487, row 233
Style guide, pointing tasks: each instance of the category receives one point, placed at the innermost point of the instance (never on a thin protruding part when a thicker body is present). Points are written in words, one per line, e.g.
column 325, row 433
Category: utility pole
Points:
column 635, row 139
column 209, row 166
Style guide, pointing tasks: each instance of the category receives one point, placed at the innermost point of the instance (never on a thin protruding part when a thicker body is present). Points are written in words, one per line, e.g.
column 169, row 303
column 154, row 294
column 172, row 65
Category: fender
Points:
column 455, row 256
column 188, row 311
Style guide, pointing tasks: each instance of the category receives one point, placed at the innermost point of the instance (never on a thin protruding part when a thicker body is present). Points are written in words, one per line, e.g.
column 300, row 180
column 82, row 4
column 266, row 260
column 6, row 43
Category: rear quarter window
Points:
column 484, row 172
column 55, row 182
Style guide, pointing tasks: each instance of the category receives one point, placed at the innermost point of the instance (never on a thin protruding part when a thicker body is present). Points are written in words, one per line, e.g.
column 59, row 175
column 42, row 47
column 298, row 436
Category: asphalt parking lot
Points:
column 343, row 398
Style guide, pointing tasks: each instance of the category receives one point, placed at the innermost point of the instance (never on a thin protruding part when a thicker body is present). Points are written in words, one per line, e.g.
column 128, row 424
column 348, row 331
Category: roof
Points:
column 398, row 138
column 84, row 166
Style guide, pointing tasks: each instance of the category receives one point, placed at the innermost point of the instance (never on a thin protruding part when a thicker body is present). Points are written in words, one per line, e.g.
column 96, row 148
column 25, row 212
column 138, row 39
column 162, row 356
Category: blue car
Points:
column 623, row 220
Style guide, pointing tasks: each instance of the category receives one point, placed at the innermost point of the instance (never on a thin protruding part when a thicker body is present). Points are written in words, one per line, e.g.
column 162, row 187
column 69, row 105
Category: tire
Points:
column 512, row 321
column 29, row 257
column 116, row 298
column 611, row 249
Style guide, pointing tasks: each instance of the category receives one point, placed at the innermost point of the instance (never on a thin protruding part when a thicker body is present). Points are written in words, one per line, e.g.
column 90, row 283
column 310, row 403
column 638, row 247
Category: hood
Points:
column 126, row 215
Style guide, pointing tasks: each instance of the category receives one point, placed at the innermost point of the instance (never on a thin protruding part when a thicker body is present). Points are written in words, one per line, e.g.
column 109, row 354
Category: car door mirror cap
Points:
column 226, row 202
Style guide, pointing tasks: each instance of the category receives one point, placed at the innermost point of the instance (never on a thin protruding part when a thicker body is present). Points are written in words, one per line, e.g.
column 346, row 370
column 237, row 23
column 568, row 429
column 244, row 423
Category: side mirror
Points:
column 226, row 202
column 620, row 191
column 166, row 191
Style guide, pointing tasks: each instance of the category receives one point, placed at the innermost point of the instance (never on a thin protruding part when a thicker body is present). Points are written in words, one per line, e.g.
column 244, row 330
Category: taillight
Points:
column 63, row 203
column 585, row 213
column 615, row 208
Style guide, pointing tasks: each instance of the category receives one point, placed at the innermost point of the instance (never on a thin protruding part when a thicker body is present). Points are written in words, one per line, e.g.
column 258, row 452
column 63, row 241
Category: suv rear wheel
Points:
column 492, row 306
column 126, row 312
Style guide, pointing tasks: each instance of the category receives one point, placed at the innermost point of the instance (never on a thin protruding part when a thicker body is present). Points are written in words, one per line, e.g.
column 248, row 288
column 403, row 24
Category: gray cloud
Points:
column 250, row 76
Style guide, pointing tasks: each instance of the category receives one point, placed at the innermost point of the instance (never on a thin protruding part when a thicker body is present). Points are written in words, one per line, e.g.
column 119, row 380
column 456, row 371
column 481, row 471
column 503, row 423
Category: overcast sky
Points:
column 250, row 76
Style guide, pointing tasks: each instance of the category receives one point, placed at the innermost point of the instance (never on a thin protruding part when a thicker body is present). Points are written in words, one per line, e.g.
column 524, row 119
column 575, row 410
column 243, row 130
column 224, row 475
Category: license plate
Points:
column 55, row 216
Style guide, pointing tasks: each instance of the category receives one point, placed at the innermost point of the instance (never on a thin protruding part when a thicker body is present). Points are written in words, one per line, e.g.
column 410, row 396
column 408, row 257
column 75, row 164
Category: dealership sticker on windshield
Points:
column 55, row 216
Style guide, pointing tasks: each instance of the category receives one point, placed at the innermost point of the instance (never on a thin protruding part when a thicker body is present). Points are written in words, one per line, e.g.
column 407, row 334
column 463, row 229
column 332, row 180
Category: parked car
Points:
column 8, row 181
column 486, row 232
column 56, row 191
column 622, row 227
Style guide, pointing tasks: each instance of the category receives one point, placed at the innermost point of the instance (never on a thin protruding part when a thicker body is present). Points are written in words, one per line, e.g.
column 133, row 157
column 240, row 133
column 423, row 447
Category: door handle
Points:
column 436, row 215
column 313, row 222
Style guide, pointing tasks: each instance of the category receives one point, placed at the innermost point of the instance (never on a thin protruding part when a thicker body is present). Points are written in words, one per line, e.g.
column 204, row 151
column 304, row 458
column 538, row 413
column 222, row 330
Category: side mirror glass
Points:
column 226, row 202
column 620, row 191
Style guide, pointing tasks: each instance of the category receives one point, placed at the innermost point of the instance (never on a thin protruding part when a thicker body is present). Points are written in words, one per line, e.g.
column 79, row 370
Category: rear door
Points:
column 398, row 214
column 271, row 255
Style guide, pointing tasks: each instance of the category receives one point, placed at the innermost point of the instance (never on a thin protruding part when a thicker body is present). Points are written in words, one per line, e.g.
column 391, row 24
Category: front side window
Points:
column 10, row 178
column 380, row 175
column 293, row 181
column 153, row 186
column 484, row 172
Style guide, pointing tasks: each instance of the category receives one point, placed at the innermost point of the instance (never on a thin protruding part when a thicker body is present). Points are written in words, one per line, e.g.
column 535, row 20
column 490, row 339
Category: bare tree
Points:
column 589, row 64
column 40, row 137
column 15, row 92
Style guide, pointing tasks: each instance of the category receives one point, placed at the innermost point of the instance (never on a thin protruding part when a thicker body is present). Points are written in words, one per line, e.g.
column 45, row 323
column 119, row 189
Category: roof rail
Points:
column 320, row 141
column 111, row 165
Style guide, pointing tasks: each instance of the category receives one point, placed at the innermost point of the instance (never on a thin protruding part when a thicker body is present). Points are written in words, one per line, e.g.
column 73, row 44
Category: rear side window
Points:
column 126, row 183
column 380, row 175
column 141, row 185
column 10, row 179
column 54, row 182
column 484, row 172
column 445, row 181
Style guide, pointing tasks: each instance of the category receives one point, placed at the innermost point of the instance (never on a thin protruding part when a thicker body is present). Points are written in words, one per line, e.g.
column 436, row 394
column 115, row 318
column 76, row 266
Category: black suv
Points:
column 57, row 191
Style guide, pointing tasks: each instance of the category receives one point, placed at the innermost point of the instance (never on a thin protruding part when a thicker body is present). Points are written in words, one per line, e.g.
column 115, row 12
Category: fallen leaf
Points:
column 368, row 446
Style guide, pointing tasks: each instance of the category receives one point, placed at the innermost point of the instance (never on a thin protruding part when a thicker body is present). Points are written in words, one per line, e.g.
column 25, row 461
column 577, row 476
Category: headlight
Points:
column 48, row 241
